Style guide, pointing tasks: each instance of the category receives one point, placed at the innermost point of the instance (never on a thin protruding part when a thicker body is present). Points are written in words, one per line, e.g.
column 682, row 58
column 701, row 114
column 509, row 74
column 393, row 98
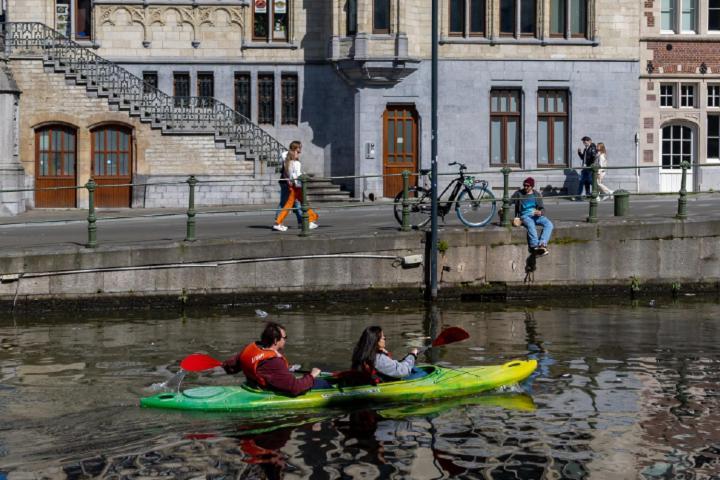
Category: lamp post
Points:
column 433, row 290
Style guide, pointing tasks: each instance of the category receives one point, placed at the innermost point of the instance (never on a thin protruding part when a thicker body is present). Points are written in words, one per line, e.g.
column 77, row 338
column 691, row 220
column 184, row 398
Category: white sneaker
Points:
column 313, row 225
column 279, row 227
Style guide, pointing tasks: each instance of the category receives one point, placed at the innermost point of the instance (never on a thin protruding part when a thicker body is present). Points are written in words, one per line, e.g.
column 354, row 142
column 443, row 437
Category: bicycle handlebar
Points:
column 462, row 165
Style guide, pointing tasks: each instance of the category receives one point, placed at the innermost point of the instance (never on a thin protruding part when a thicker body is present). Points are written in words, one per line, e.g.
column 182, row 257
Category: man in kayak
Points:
column 264, row 365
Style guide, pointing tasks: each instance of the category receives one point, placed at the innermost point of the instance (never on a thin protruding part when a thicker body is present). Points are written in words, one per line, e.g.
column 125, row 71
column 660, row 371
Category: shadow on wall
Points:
column 328, row 103
column 569, row 185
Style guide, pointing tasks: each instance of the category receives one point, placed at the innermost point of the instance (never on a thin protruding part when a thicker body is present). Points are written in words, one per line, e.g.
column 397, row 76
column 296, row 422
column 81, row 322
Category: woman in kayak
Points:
column 265, row 366
column 371, row 358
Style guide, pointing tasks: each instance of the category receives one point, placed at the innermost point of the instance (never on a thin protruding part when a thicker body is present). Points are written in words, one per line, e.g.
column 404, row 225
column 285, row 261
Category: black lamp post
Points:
column 433, row 287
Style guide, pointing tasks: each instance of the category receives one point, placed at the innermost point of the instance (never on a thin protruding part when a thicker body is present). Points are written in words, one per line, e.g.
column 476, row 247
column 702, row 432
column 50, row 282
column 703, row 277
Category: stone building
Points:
column 521, row 81
column 680, row 93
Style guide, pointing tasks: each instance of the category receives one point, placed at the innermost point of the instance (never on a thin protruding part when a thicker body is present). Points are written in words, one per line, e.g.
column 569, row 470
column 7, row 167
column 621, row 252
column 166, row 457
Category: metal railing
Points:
column 505, row 220
column 173, row 114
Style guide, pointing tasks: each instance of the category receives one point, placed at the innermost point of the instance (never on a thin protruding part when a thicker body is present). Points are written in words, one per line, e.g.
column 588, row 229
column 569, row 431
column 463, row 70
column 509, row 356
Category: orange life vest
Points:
column 373, row 374
column 252, row 356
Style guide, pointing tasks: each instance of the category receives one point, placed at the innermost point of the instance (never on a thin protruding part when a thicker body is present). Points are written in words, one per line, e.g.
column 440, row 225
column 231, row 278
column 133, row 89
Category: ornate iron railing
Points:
column 172, row 114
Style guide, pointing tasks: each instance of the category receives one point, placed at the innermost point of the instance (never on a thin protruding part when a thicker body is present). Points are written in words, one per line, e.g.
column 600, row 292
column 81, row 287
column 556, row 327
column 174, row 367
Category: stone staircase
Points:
column 323, row 190
column 126, row 92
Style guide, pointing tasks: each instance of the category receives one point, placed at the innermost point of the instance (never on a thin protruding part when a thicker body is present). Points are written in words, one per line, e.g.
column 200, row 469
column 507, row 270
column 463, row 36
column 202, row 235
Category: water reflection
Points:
column 621, row 392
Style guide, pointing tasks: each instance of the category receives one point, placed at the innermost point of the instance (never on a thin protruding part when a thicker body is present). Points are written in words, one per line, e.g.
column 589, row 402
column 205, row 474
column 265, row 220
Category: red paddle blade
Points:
column 450, row 335
column 198, row 362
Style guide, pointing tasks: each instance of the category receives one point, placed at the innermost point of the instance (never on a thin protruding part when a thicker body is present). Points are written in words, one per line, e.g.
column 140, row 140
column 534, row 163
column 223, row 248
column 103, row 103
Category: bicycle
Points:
column 472, row 199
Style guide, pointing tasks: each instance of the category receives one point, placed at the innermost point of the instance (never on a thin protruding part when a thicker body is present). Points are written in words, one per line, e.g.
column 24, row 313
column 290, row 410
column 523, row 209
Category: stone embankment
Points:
column 590, row 258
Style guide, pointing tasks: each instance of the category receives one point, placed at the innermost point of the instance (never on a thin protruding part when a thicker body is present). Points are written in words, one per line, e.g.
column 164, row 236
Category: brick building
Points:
column 680, row 93
column 521, row 81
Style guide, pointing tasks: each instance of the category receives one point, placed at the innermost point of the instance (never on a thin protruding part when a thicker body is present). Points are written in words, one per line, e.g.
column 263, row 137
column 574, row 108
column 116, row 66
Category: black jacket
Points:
column 588, row 155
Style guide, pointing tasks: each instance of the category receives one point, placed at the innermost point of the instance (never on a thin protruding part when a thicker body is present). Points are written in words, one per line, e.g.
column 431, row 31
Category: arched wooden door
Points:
column 112, row 165
column 400, row 148
column 55, row 167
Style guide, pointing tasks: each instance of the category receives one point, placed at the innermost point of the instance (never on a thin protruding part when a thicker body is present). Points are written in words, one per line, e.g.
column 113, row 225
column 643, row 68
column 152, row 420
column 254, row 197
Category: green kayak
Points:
column 440, row 382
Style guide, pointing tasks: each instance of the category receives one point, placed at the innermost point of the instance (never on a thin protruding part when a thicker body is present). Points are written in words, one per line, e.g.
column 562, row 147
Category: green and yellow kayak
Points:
column 440, row 382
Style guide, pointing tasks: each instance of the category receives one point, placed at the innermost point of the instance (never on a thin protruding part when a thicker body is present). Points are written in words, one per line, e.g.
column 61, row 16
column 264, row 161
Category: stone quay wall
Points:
column 622, row 255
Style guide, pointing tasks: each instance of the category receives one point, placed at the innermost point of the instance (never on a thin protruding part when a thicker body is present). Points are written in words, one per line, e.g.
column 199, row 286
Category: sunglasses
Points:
column 525, row 185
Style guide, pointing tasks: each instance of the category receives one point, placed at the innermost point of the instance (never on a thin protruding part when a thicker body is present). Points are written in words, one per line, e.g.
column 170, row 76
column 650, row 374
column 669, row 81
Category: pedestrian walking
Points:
column 602, row 162
column 293, row 170
column 284, row 183
column 530, row 212
column 587, row 155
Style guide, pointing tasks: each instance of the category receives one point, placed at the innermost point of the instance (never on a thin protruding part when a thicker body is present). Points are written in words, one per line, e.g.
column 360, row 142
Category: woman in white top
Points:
column 293, row 170
column 602, row 161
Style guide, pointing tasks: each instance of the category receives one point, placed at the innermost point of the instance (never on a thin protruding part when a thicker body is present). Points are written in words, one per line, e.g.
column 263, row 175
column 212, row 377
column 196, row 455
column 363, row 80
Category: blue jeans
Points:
column 284, row 193
column 530, row 222
column 585, row 181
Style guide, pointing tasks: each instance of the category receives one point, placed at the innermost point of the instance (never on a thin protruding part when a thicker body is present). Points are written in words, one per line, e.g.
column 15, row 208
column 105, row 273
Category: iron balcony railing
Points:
column 173, row 114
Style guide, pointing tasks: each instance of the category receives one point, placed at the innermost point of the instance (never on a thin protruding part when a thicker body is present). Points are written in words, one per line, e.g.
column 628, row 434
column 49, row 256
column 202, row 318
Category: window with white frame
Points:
column 677, row 146
column 714, row 15
column 667, row 95
column 713, row 137
column 713, row 92
column 687, row 95
column 679, row 16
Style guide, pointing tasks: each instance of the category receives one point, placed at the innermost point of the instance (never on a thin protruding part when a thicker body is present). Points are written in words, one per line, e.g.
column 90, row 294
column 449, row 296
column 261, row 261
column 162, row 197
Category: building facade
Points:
column 680, row 93
column 520, row 82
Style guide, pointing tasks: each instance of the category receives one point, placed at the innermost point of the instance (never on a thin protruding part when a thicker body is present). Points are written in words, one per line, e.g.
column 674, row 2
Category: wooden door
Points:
column 400, row 147
column 112, row 165
column 55, row 167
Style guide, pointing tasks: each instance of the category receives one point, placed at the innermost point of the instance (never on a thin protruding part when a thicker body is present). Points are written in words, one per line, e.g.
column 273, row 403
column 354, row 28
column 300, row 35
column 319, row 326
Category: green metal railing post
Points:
column 305, row 207
column 506, row 197
column 405, row 202
column 91, row 218
column 682, row 201
column 592, row 215
column 190, row 234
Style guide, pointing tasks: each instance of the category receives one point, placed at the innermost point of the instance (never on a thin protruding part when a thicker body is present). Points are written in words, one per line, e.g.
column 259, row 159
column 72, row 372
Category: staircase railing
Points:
column 176, row 114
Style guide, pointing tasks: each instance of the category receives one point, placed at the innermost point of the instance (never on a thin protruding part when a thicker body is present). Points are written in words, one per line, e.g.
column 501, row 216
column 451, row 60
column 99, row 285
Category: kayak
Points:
column 439, row 382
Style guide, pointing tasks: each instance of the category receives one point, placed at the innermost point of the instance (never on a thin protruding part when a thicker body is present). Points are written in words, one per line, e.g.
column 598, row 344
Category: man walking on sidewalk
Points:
column 587, row 156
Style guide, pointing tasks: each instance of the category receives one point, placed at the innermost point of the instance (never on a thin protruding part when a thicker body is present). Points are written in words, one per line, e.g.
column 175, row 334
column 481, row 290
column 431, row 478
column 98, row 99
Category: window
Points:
column 513, row 10
column 667, row 95
column 714, row 15
column 713, row 95
column 505, row 127
column 83, row 19
column 242, row 94
column 266, row 98
column 206, row 89
column 381, row 16
column 568, row 18
column 552, row 127
column 507, row 17
column 111, row 151
column 679, row 16
column 467, row 17
column 713, row 142
column 271, row 20
column 289, row 96
column 687, row 95
column 676, row 146
column 150, row 82
column 181, row 89
column 56, row 152
column 351, row 17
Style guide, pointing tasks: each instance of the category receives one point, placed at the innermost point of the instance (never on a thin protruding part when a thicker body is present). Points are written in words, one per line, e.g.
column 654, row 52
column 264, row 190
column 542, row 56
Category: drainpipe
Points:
column 637, row 162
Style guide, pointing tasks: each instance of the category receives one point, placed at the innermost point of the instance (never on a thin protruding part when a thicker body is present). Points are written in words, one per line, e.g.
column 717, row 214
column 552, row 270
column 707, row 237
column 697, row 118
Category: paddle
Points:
column 197, row 362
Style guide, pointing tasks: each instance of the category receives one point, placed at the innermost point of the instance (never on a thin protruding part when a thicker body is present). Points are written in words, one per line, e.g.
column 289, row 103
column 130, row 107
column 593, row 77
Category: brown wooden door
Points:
column 112, row 165
column 55, row 166
column 400, row 147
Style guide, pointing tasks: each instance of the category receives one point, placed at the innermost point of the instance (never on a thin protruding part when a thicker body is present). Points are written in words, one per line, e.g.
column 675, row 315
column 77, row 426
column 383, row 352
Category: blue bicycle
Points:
column 472, row 200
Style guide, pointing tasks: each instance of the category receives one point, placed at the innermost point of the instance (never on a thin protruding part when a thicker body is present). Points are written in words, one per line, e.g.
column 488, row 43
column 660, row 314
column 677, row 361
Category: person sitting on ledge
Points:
column 530, row 212
column 265, row 366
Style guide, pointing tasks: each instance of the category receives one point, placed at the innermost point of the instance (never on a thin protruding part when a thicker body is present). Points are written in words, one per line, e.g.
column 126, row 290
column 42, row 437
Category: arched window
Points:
column 677, row 146
column 55, row 161
column 112, row 165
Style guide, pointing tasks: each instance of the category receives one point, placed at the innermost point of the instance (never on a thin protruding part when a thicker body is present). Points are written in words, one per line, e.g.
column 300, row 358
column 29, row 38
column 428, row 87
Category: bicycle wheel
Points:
column 476, row 206
column 419, row 208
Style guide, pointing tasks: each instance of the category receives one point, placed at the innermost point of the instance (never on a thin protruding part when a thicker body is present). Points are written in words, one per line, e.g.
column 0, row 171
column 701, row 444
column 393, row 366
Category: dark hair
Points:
column 294, row 145
column 271, row 334
column 366, row 348
column 586, row 139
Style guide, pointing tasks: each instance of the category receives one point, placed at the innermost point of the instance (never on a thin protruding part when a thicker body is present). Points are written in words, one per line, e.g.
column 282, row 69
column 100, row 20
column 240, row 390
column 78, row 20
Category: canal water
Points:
column 623, row 390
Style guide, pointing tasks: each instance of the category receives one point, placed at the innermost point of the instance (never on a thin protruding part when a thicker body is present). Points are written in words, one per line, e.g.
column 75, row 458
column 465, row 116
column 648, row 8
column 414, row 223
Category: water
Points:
column 622, row 391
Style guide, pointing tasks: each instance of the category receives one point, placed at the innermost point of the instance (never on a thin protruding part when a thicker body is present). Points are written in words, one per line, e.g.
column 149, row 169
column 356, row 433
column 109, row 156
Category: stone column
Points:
column 12, row 174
